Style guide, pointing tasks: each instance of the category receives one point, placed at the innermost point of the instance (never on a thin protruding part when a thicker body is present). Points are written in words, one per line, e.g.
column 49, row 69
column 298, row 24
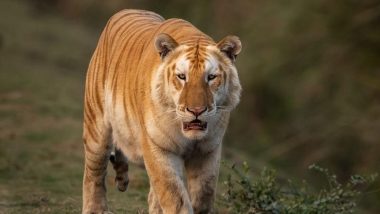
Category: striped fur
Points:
column 147, row 79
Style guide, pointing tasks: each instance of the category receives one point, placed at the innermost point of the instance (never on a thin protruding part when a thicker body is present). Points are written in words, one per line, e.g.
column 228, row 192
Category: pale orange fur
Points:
column 139, row 103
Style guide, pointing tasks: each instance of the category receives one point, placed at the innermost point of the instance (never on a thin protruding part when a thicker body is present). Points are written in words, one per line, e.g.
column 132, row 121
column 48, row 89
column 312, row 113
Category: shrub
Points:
column 265, row 195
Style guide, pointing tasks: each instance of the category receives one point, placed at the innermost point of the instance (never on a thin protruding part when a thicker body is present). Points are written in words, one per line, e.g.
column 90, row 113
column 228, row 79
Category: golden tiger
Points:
column 158, row 92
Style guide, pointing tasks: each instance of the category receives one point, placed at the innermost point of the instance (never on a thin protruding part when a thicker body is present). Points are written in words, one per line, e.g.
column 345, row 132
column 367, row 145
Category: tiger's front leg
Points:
column 154, row 204
column 202, row 176
column 168, row 193
column 97, row 150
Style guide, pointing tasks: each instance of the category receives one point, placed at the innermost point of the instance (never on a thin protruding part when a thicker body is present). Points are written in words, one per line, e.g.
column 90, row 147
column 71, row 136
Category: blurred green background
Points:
column 310, row 71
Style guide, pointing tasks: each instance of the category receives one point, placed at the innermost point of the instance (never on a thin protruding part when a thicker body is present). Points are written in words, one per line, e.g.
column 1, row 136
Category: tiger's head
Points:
column 196, row 82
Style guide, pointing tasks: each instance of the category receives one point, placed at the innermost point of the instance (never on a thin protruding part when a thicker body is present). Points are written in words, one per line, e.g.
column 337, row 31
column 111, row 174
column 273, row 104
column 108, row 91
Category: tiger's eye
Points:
column 181, row 76
column 211, row 77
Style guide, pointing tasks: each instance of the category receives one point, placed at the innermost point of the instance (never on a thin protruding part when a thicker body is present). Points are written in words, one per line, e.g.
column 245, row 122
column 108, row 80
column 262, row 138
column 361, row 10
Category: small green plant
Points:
column 265, row 195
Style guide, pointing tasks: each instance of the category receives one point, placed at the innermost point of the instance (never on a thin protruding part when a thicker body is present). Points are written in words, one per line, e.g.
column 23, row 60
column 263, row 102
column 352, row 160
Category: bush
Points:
column 266, row 195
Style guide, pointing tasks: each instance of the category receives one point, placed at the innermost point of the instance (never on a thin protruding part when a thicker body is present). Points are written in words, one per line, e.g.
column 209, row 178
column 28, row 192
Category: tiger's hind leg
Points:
column 120, row 165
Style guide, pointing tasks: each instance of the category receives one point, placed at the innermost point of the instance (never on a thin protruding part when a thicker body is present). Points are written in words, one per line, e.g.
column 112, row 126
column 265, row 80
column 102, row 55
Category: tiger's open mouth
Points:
column 195, row 125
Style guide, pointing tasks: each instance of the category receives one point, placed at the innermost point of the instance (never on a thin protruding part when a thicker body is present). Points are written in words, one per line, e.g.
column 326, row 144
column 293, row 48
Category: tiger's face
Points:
column 198, row 82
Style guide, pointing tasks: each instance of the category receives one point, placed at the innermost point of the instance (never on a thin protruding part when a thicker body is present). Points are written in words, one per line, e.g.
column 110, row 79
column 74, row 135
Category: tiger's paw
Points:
column 98, row 212
column 122, row 182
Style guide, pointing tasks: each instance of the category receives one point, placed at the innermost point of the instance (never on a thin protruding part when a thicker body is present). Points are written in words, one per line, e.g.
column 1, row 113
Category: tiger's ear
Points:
column 231, row 46
column 164, row 44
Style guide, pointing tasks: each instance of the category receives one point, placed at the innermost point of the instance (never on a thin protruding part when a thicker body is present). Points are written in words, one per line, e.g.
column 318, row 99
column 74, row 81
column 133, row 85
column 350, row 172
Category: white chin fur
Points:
column 194, row 134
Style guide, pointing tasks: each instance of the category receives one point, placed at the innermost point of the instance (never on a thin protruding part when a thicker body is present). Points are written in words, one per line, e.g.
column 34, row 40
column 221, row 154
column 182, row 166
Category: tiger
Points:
column 159, row 94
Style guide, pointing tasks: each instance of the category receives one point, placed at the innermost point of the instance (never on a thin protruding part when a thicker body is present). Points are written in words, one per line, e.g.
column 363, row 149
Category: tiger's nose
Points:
column 196, row 111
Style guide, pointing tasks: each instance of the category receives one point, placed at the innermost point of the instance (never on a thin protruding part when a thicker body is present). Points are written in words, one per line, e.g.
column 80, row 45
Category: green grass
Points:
column 264, row 194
